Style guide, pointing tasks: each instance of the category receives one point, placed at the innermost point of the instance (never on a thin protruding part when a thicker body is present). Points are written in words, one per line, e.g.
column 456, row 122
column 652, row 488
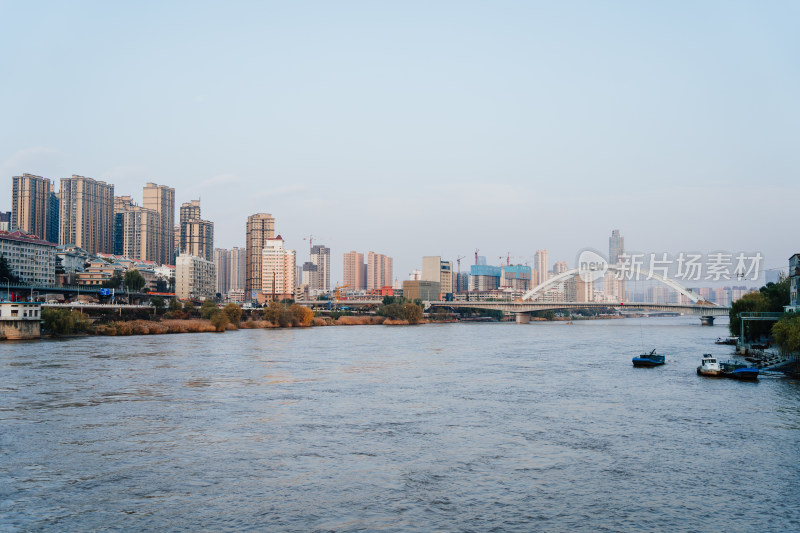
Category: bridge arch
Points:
column 539, row 289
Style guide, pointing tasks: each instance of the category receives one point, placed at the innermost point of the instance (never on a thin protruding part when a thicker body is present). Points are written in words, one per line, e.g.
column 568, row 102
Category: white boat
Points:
column 709, row 366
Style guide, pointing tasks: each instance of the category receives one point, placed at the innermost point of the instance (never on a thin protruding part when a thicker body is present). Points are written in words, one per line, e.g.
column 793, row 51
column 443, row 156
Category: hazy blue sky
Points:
column 424, row 128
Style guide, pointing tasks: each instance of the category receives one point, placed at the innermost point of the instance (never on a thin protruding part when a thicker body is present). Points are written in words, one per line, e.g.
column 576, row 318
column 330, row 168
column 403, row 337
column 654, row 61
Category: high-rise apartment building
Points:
column 278, row 267
column 197, row 235
column 517, row 277
column 541, row 266
column 260, row 228
column 86, row 219
column 190, row 211
column 230, row 265
column 137, row 230
column 309, row 274
column 236, row 268
column 379, row 271
column 321, row 256
column 616, row 248
column 579, row 290
column 559, row 267
column 222, row 264
column 34, row 207
column 140, row 236
column 354, row 271
column 161, row 199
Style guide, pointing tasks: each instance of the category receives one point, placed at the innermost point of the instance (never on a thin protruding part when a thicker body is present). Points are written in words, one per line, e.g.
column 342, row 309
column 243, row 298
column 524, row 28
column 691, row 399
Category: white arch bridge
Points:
column 529, row 302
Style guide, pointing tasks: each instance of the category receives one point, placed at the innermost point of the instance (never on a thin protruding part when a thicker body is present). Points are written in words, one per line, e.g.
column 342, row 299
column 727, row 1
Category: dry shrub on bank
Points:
column 195, row 325
column 133, row 327
column 319, row 321
column 394, row 322
column 360, row 320
column 256, row 324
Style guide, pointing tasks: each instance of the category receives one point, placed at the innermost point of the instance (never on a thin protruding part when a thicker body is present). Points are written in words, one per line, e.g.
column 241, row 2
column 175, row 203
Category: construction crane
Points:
column 458, row 277
column 336, row 293
column 310, row 240
column 476, row 255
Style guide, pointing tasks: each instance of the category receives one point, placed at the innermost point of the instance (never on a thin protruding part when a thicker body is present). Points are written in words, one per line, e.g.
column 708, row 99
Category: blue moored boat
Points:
column 649, row 359
column 732, row 369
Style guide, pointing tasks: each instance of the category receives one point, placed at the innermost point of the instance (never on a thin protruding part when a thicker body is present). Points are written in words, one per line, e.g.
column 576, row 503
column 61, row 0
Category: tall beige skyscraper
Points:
column 197, row 235
column 87, row 214
column 137, row 230
column 278, row 269
column 161, row 199
column 236, row 268
column 559, row 267
column 32, row 207
column 541, row 266
column 260, row 228
column 354, row 271
column 379, row 271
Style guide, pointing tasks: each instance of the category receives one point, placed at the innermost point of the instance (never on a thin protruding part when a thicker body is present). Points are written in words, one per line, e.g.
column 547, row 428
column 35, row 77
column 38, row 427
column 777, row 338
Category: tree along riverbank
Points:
column 209, row 318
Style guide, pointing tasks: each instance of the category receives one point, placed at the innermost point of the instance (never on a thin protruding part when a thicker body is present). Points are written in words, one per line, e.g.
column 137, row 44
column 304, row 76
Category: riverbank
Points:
column 199, row 325
column 170, row 326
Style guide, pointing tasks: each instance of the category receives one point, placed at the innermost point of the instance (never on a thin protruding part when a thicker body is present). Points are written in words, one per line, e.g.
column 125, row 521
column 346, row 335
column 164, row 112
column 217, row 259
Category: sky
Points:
column 423, row 128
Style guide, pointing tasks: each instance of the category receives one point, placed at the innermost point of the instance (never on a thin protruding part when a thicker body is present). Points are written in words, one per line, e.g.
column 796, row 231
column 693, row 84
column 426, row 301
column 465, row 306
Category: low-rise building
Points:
column 195, row 278
column 30, row 258
column 98, row 271
column 422, row 290
column 20, row 320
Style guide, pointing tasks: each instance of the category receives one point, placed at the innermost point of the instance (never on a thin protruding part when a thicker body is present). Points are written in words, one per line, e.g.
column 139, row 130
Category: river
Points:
column 451, row 427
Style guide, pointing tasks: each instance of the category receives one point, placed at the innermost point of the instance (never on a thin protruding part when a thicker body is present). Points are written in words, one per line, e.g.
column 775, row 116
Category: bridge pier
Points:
column 523, row 318
column 707, row 320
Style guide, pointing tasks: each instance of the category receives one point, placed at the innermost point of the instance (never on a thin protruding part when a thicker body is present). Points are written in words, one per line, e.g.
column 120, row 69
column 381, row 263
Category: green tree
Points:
column 393, row 311
column 388, row 300
column 753, row 302
column 234, row 314
column 301, row 315
column 174, row 304
column 411, row 312
column 113, row 282
column 64, row 321
column 158, row 303
column 208, row 309
column 189, row 307
column 278, row 314
column 134, row 281
column 787, row 332
column 220, row 320
column 777, row 294
column 6, row 272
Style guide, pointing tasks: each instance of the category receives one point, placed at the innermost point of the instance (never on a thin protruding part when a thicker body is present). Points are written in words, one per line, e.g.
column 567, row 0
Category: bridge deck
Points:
column 527, row 307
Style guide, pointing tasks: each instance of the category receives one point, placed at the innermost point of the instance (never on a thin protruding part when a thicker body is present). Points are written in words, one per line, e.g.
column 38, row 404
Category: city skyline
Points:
column 544, row 115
